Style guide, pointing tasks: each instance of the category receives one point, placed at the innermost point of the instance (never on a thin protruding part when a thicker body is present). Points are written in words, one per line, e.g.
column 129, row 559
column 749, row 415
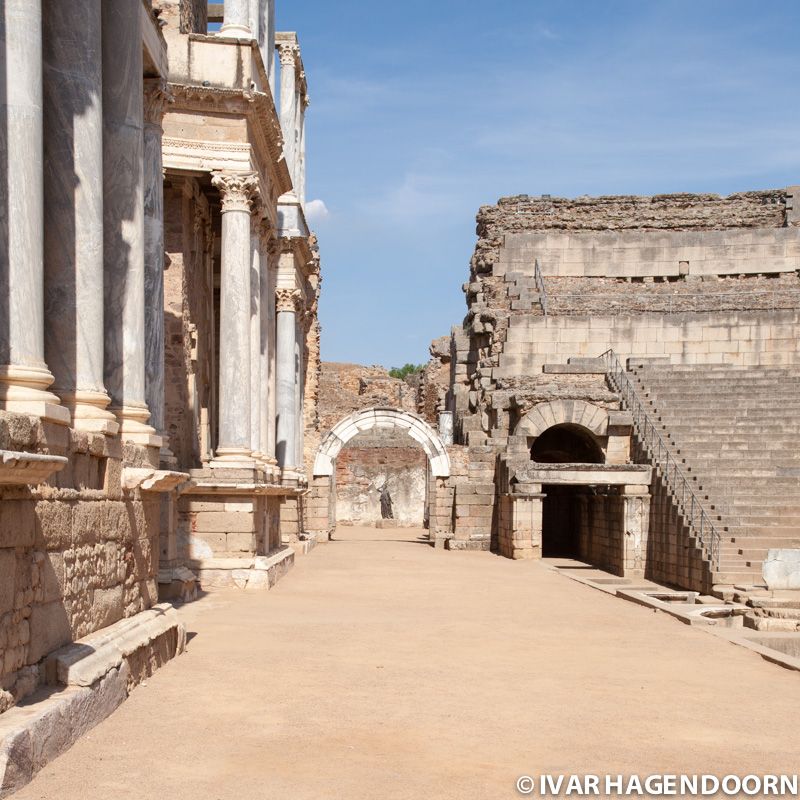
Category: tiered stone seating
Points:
column 735, row 432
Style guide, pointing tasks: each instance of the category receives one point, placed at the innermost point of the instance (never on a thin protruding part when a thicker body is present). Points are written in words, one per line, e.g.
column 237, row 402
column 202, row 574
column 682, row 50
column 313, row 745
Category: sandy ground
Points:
column 380, row 668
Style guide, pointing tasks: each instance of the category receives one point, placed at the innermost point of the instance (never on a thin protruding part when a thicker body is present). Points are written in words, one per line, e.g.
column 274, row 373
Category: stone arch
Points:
column 385, row 418
column 563, row 412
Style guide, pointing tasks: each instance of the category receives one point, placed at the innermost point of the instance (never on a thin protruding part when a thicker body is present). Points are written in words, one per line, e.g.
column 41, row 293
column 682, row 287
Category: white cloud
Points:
column 316, row 210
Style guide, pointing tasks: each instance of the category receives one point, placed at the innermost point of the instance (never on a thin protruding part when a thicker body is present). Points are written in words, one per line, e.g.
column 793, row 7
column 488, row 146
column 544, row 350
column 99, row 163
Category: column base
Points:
column 133, row 426
column 233, row 458
column 90, row 413
column 236, row 31
column 24, row 390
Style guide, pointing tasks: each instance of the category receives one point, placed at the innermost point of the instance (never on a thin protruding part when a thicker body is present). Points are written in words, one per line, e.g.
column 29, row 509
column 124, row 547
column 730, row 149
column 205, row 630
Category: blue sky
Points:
column 423, row 111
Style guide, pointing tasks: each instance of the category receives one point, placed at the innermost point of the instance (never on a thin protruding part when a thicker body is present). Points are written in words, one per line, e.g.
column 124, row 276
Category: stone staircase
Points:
column 735, row 432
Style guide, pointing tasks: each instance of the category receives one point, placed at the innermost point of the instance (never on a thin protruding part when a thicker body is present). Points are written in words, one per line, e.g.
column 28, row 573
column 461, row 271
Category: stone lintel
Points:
column 585, row 474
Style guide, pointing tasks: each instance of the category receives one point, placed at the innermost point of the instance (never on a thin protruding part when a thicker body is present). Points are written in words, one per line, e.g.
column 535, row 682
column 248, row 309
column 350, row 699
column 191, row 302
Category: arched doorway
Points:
column 322, row 503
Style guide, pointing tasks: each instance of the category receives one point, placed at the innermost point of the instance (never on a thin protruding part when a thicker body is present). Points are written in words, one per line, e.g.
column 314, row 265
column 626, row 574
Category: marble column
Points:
column 287, row 302
column 236, row 193
column 257, row 398
column 24, row 376
column 300, row 386
column 288, row 56
column 123, row 219
column 156, row 98
column 267, row 332
column 301, row 154
column 266, row 39
column 236, row 19
column 272, row 407
column 73, row 211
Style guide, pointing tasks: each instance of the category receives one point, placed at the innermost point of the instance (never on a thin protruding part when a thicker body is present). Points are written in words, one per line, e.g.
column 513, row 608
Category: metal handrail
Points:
column 539, row 279
column 659, row 453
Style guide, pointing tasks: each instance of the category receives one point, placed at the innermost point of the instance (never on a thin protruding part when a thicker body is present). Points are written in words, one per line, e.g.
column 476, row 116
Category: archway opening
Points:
column 381, row 481
column 566, row 444
column 371, row 424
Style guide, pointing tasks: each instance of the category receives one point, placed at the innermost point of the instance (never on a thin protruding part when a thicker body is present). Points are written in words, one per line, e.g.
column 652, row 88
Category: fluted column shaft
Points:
column 288, row 56
column 24, row 376
column 286, row 369
column 236, row 19
column 155, row 103
column 73, row 211
column 301, row 155
column 123, row 216
column 236, row 192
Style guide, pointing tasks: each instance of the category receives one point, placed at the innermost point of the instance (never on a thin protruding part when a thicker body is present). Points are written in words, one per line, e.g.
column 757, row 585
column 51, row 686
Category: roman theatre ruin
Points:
column 622, row 393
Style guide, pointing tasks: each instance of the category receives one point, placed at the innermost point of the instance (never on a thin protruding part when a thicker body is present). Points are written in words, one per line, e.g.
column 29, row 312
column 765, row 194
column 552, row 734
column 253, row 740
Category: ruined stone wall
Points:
column 683, row 211
column 76, row 554
column 188, row 322
column 372, row 461
column 187, row 16
column 694, row 277
column 434, row 382
column 345, row 388
column 313, row 365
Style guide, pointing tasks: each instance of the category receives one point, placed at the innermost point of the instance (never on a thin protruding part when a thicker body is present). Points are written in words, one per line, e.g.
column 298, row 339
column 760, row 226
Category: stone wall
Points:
column 745, row 338
column 683, row 212
column 372, row 461
column 77, row 553
column 189, row 346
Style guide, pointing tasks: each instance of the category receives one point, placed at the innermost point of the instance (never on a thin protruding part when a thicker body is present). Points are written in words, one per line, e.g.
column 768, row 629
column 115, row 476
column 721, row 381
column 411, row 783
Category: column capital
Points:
column 237, row 190
column 157, row 96
column 288, row 52
column 287, row 300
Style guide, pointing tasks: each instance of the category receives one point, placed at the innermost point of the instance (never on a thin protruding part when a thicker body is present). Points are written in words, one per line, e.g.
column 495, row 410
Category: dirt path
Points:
column 380, row 668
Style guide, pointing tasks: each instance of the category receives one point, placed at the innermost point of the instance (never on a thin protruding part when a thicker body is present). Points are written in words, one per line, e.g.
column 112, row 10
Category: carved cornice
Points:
column 237, row 101
column 237, row 190
column 288, row 300
column 157, row 96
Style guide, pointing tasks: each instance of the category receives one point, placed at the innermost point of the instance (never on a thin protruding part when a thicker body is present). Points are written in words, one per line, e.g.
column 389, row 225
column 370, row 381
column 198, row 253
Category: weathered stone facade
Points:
column 159, row 340
column 690, row 279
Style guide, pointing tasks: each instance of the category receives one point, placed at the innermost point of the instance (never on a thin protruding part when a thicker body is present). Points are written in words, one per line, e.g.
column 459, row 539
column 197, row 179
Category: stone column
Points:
column 155, row 104
column 288, row 56
column 267, row 331
column 272, row 408
column 257, row 398
column 266, row 39
column 123, row 219
column 73, row 211
column 236, row 192
column 287, row 302
column 636, row 528
column 236, row 19
column 301, row 156
column 24, row 376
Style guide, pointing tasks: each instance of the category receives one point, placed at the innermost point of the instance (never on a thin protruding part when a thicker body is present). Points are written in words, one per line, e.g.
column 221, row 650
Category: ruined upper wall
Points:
column 770, row 208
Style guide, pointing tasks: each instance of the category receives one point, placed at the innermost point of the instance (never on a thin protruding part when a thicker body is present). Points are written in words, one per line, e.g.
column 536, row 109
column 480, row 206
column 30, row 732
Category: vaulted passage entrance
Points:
column 369, row 427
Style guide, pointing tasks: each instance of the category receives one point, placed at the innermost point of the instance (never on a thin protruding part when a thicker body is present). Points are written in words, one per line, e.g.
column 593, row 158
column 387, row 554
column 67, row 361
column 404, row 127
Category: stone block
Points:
column 781, row 569
column 17, row 523
column 49, row 629
column 52, row 576
column 224, row 522
column 8, row 568
column 53, row 524
column 107, row 606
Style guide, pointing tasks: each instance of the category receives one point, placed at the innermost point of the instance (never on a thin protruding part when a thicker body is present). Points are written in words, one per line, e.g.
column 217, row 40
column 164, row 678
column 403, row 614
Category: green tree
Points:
column 406, row 370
